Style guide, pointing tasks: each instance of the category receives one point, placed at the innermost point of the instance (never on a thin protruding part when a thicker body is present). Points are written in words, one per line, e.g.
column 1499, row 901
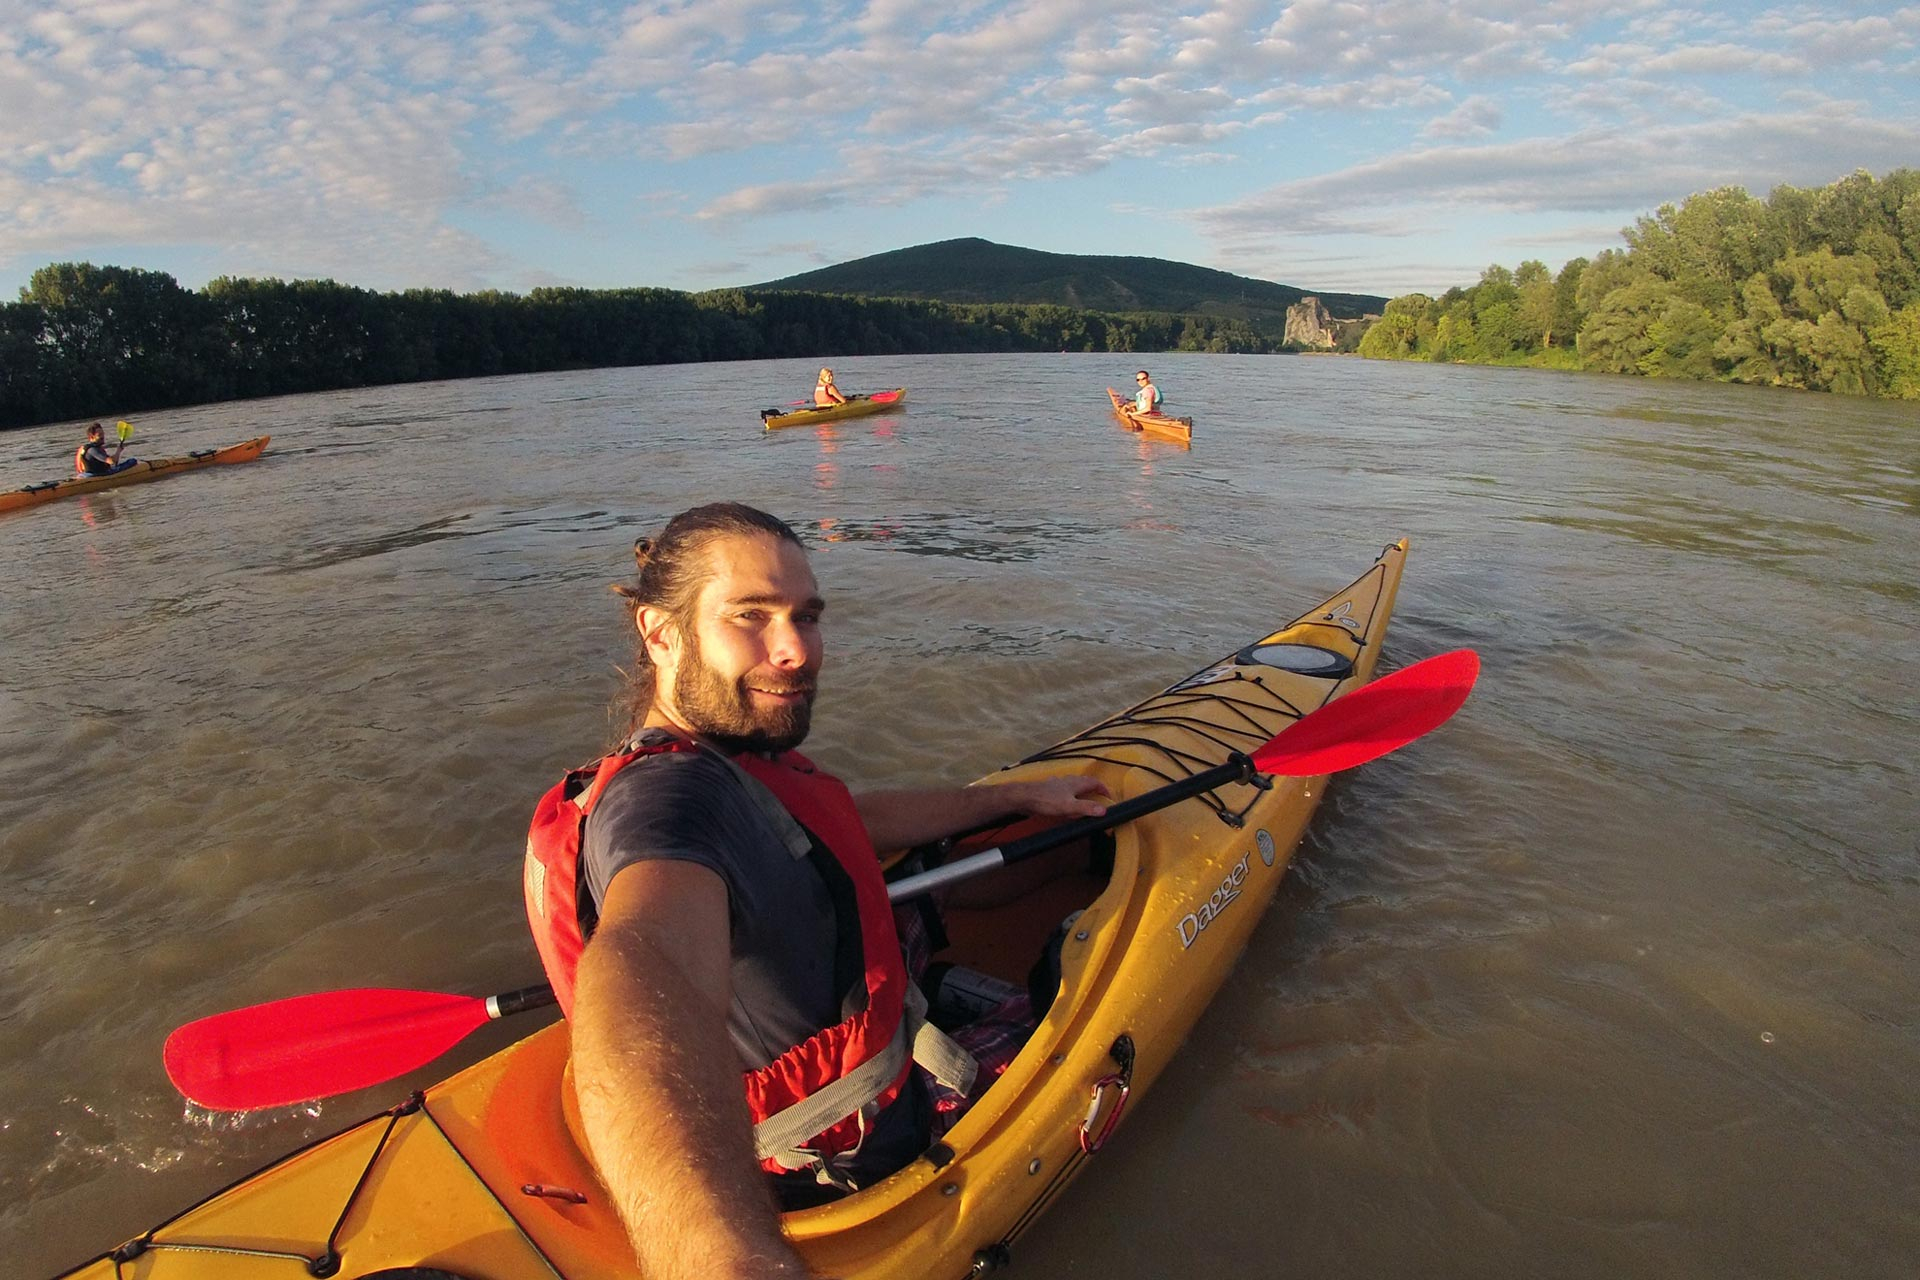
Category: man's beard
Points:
column 724, row 713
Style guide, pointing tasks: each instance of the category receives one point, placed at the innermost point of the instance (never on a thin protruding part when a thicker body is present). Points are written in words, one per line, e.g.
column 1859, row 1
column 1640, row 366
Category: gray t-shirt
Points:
column 794, row 970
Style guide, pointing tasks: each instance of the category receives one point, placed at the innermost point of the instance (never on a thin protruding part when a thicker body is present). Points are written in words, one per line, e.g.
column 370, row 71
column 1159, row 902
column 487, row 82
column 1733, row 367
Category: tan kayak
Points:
column 1158, row 424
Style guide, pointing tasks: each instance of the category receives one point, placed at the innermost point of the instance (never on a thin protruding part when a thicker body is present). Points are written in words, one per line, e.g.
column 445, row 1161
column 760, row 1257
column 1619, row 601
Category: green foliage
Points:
column 1615, row 338
column 1396, row 334
column 1815, row 289
column 1896, row 346
column 87, row 341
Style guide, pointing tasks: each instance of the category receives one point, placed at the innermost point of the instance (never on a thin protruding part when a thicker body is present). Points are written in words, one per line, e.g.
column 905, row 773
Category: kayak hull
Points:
column 484, row 1175
column 855, row 407
column 1179, row 430
column 138, row 473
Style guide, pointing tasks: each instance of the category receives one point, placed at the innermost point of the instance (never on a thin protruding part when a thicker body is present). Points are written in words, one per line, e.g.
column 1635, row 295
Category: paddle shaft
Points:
column 1238, row 768
column 511, row 1002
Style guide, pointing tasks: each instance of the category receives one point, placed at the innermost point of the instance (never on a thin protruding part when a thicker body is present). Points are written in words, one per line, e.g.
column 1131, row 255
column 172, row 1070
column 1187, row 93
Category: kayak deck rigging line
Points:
column 1169, row 709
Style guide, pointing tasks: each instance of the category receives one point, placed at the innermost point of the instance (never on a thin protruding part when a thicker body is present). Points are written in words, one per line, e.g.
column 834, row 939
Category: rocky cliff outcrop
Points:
column 1310, row 325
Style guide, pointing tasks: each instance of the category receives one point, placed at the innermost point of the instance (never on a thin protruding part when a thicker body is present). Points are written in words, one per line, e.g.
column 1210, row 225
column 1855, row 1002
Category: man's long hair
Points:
column 672, row 569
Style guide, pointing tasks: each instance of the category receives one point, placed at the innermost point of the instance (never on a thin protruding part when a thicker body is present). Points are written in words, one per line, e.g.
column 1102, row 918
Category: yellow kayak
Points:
column 139, row 473
column 1159, row 424
column 483, row 1176
column 855, row 407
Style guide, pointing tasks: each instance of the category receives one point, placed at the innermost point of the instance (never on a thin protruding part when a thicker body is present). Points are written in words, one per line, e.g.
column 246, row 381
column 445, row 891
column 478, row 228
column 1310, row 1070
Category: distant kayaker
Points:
column 825, row 393
column 1147, row 398
column 92, row 458
column 731, row 918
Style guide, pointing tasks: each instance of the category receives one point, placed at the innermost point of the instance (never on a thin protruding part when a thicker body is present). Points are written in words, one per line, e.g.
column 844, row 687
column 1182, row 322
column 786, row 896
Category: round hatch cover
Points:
column 1302, row 659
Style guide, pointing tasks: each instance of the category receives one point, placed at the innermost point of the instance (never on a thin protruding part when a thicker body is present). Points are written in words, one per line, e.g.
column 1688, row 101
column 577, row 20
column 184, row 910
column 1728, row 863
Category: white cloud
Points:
column 1476, row 116
column 362, row 139
column 1629, row 171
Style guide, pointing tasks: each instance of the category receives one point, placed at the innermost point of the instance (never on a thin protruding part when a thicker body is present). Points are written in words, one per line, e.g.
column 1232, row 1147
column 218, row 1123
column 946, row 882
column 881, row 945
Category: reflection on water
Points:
column 1596, row 981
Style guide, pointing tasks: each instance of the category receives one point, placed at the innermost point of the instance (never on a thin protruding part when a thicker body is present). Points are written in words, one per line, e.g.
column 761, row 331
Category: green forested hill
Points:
column 975, row 271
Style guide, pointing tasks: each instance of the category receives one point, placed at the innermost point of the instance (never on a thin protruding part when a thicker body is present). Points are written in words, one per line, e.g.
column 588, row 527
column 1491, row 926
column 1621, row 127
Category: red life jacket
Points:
column 554, row 886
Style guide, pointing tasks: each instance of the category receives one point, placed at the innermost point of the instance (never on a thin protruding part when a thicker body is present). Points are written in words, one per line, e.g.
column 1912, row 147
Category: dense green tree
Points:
column 1568, row 314
column 1808, row 288
column 1533, row 309
column 1746, row 350
column 23, row 382
column 1616, row 337
column 1896, row 347
column 1395, row 335
column 1681, row 341
column 119, row 336
column 1706, row 245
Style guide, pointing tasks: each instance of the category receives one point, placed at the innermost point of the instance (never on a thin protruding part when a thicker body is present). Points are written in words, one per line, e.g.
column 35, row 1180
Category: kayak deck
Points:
column 485, row 1175
column 139, row 473
column 855, row 407
column 1159, row 424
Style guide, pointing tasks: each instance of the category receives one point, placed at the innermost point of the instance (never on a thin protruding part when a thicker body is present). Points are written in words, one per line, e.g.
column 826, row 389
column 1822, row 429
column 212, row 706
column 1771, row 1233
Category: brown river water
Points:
column 1618, row 974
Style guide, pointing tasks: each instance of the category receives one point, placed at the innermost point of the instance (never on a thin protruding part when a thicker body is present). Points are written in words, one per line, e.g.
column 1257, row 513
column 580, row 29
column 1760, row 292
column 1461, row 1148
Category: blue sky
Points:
column 1332, row 144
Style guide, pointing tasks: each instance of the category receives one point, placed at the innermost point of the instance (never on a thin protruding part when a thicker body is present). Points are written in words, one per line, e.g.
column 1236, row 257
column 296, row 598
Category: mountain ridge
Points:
column 974, row 270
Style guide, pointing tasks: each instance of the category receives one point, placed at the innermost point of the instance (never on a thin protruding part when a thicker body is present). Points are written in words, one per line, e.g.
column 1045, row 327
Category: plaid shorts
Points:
column 994, row 1040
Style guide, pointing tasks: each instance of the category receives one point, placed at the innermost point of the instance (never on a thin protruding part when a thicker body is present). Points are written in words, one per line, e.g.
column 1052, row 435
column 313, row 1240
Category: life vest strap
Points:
column 779, row 1136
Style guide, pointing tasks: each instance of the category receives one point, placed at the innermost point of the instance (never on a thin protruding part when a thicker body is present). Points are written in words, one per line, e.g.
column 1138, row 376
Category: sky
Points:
column 1337, row 145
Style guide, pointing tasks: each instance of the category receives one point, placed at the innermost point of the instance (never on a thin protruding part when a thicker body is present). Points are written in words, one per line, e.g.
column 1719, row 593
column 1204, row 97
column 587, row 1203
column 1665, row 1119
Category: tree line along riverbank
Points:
column 96, row 341
column 1811, row 288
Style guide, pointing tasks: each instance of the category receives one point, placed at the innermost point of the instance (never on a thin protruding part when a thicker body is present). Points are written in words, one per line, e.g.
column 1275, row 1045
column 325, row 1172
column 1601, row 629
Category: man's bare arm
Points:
column 659, row 1082
column 902, row 819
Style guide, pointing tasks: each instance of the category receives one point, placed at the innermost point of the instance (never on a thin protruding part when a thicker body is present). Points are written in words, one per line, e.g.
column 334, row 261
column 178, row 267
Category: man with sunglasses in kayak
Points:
column 710, row 908
column 1147, row 399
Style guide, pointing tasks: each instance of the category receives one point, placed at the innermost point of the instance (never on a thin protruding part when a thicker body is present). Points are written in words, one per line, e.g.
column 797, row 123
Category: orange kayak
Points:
column 1159, row 424
column 139, row 473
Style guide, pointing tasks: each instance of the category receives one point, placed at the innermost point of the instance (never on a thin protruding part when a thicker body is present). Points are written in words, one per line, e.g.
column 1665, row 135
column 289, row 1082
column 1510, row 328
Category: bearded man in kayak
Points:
column 92, row 458
column 731, row 925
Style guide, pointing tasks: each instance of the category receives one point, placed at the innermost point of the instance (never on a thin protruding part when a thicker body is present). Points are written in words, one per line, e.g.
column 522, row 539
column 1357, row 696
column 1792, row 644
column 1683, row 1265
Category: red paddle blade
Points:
column 1374, row 719
column 288, row 1051
column 884, row 397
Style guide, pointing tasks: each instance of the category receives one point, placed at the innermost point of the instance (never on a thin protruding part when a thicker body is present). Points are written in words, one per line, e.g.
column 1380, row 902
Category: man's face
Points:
column 746, row 670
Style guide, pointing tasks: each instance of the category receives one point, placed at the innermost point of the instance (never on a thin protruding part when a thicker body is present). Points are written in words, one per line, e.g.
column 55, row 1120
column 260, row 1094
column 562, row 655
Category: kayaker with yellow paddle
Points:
column 92, row 458
column 710, row 910
column 825, row 393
